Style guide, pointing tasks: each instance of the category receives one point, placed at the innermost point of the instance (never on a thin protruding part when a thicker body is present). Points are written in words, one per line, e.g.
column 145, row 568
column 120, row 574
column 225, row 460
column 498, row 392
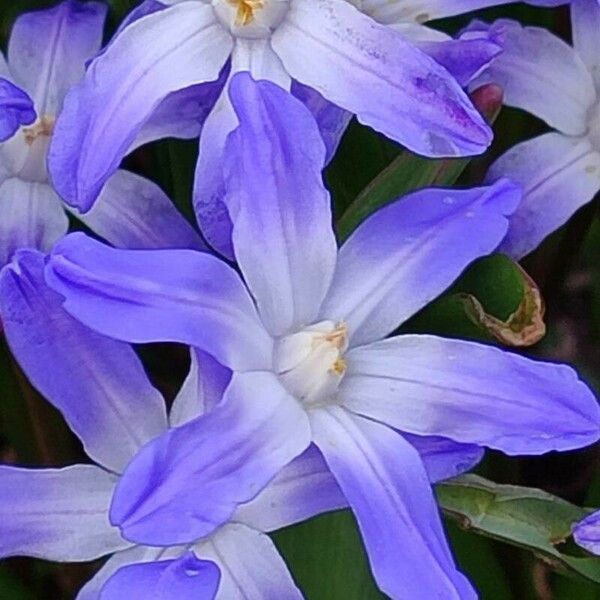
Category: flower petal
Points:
column 183, row 578
column 57, row 514
column 398, row 260
column 585, row 19
column 331, row 119
column 160, row 295
column 256, row 57
column 188, row 482
column 135, row 554
column 281, row 212
column 16, row 109
column 48, row 49
column 471, row 393
column 372, row 71
column 387, row 488
column 202, row 389
column 251, row 566
column 98, row 384
column 157, row 55
column 32, row 217
column 542, row 74
column 444, row 458
column 303, row 489
column 587, row 533
column 559, row 174
column 133, row 212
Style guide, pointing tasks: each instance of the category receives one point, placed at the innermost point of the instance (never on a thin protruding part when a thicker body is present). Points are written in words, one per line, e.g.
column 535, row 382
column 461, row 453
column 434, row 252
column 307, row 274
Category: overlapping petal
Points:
column 103, row 115
column 186, row 483
column 160, row 295
column 388, row 490
column 559, row 174
column 57, row 514
column 587, row 533
column 48, row 49
column 98, row 384
column 183, row 578
column 303, row 489
column 280, row 209
column 16, row 109
column 133, row 212
column 370, row 70
column 542, row 74
column 32, row 217
column 471, row 393
column 251, row 567
column 585, row 19
column 407, row 253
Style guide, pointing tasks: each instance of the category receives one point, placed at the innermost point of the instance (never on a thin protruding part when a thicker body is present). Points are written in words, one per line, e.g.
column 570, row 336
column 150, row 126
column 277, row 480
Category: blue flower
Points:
column 338, row 56
column 305, row 334
column 101, row 389
column 560, row 170
column 47, row 53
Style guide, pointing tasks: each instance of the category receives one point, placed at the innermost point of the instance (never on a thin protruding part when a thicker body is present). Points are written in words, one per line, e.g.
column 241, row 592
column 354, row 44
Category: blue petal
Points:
column 16, row 109
column 184, row 578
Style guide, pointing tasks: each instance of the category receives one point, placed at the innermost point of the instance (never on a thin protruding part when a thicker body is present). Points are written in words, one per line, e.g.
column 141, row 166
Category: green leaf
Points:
column 11, row 588
column 524, row 517
column 411, row 172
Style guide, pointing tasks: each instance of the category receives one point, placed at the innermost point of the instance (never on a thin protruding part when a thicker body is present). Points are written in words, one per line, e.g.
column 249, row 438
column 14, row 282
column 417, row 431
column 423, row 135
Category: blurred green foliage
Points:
column 326, row 554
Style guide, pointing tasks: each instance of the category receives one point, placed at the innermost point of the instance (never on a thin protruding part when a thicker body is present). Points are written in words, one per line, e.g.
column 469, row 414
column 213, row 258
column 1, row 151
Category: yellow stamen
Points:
column 339, row 336
column 44, row 127
column 246, row 10
column 339, row 367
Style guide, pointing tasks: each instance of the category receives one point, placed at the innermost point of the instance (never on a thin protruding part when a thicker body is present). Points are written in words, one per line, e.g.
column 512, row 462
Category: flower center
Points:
column 25, row 153
column 594, row 132
column 310, row 363
column 251, row 18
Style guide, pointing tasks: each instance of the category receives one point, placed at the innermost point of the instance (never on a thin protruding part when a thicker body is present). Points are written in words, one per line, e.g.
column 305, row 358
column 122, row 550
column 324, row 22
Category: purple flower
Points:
column 16, row 109
column 304, row 333
column 326, row 49
column 559, row 171
column 587, row 533
column 101, row 389
column 47, row 53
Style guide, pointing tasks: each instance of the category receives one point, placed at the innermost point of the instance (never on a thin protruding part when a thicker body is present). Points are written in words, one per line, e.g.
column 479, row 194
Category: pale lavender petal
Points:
column 388, row 490
column 135, row 554
column 57, row 514
column 103, row 115
column 372, row 71
column 392, row 11
column 331, row 119
column 145, row 296
column 133, row 212
column 48, row 49
column 251, row 567
column 183, row 578
column 98, row 384
column 188, row 482
column 558, row 174
column 202, row 389
column 16, row 109
column 32, row 217
column 256, row 57
column 542, row 74
column 585, row 19
column 410, row 251
column 444, row 458
column 303, row 489
column 465, row 57
column 471, row 393
column 281, row 212
column 587, row 533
